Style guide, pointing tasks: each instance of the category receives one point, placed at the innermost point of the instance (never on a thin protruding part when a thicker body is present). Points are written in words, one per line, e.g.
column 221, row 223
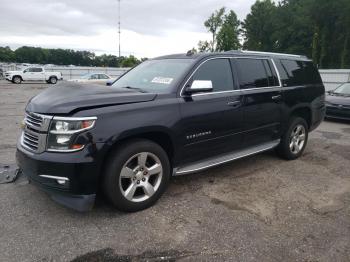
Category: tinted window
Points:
column 252, row 73
column 218, row 71
column 37, row 70
column 299, row 73
column 94, row 77
column 102, row 76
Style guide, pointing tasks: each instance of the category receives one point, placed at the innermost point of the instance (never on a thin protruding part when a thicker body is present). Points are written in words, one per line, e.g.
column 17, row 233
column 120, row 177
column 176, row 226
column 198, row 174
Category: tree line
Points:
column 319, row 29
column 38, row 55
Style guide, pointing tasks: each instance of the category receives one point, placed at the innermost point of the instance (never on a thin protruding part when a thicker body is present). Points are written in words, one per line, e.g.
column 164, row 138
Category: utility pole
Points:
column 119, row 32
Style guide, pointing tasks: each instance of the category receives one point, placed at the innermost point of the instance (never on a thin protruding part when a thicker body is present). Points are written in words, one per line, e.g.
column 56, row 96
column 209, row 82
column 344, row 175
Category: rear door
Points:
column 211, row 122
column 262, row 103
column 37, row 74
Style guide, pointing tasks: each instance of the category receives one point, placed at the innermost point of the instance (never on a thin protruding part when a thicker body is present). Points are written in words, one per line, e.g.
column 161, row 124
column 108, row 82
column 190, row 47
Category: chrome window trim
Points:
column 236, row 90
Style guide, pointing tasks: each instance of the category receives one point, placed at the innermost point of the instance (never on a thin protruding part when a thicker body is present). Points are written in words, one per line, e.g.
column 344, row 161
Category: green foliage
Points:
column 6, row 54
column 228, row 36
column 319, row 29
column 204, row 46
column 213, row 24
column 259, row 26
column 224, row 28
column 37, row 55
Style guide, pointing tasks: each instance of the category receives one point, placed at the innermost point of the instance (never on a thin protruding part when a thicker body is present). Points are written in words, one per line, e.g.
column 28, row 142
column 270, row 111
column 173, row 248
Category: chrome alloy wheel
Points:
column 140, row 177
column 297, row 139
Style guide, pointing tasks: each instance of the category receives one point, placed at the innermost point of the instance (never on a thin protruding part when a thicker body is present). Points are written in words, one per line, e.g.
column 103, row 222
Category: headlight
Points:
column 63, row 131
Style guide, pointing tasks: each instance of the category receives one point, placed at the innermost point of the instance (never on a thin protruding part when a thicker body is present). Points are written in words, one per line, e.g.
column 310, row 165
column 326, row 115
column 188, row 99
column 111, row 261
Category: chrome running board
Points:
column 218, row 160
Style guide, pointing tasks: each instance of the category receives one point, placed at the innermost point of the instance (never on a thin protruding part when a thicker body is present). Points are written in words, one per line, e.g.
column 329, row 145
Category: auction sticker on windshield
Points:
column 162, row 80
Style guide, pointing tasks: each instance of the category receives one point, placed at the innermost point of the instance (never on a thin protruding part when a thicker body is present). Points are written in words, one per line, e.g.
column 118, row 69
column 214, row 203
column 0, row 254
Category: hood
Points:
column 70, row 96
column 338, row 100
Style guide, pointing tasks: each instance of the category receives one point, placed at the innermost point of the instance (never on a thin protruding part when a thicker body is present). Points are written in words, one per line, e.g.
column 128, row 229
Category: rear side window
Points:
column 255, row 73
column 219, row 72
column 298, row 73
column 102, row 76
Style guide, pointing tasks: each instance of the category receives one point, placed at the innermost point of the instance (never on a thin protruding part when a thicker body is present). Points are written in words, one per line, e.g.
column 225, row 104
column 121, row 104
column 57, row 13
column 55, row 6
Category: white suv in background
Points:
column 33, row 74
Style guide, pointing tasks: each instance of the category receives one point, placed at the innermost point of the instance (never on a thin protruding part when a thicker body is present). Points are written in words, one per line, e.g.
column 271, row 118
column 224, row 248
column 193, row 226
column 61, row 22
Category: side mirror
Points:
column 109, row 83
column 200, row 86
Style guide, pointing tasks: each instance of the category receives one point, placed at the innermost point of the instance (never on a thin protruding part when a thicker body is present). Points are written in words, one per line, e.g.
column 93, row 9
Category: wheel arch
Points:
column 17, row 76
column 303, row 112
column 160, row 136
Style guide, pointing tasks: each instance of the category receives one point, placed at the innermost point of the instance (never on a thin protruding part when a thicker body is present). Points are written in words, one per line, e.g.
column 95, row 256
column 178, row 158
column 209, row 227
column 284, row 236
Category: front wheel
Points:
column 136, row 175
column 17, row 80
column 294, row 141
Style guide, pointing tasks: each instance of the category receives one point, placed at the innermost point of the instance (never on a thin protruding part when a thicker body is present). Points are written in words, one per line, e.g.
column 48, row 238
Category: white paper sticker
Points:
column 162, row 80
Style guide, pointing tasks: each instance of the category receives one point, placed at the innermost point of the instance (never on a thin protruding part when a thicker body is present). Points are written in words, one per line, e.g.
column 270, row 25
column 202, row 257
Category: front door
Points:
column 262, row 106
column 211, row 122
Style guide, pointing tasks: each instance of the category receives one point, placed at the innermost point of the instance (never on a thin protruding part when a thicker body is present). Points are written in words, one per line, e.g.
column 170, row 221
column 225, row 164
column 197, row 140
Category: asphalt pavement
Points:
column 260, row 208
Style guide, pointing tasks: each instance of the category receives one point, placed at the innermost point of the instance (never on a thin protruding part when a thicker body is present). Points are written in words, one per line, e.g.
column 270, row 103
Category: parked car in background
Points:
column 33, row 74
column 338, row 102
column 171, row 115
column 93, row 78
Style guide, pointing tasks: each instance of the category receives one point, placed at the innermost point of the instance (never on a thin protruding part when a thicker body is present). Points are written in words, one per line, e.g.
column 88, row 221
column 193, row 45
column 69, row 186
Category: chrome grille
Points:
column 33, row 120
column 30, row 140
column 35, row 131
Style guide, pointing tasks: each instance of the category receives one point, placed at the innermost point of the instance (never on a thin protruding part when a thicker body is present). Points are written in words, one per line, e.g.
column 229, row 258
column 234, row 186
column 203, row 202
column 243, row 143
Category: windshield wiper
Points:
column 135, row 88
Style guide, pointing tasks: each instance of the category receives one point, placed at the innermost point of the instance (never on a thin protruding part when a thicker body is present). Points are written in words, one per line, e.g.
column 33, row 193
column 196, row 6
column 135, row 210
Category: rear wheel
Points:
column 53, row 80
column 136, row 175
column 17, row 79
column 294, row 141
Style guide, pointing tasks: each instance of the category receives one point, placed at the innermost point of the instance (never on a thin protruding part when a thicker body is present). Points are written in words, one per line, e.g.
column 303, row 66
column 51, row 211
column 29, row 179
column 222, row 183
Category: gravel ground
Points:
column 259, row 208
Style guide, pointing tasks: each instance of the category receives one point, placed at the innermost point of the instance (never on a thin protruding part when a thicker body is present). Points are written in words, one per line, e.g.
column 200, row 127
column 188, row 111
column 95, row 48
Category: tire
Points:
column 16, row 80
column 294, row 140
column 53, row 80
column 136, row 175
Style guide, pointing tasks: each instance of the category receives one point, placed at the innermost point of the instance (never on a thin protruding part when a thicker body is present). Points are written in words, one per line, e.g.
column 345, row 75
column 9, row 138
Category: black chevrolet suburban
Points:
column 172, row 115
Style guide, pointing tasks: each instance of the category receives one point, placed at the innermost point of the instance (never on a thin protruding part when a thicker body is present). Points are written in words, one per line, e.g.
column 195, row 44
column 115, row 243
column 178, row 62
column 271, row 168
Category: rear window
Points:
column 255, row 73
column 296, row 73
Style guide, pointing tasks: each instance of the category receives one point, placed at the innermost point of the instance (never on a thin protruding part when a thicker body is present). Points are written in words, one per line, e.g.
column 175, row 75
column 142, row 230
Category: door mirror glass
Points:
column 201, row 86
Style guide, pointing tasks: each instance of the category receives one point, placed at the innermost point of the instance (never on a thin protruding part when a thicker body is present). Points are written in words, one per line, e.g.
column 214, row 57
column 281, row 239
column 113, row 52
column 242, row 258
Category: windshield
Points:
column 87, row 76
column 155, row 76
column 344, row 89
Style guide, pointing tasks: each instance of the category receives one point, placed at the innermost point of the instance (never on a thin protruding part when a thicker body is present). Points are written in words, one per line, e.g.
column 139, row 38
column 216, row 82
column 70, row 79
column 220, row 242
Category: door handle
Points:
column 277, row 97
column 234, row 104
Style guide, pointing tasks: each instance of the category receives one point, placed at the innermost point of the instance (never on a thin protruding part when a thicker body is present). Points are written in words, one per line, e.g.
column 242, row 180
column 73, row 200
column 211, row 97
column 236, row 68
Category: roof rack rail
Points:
column 271, row 53
column 264, row 53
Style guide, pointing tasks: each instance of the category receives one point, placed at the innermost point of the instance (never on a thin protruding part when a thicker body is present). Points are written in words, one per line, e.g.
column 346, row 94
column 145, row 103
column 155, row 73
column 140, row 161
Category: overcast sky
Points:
column 149, row 27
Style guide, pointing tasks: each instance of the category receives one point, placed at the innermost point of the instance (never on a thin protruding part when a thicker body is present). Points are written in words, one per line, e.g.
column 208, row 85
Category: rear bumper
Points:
column 79, row 171
column 317, row 117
